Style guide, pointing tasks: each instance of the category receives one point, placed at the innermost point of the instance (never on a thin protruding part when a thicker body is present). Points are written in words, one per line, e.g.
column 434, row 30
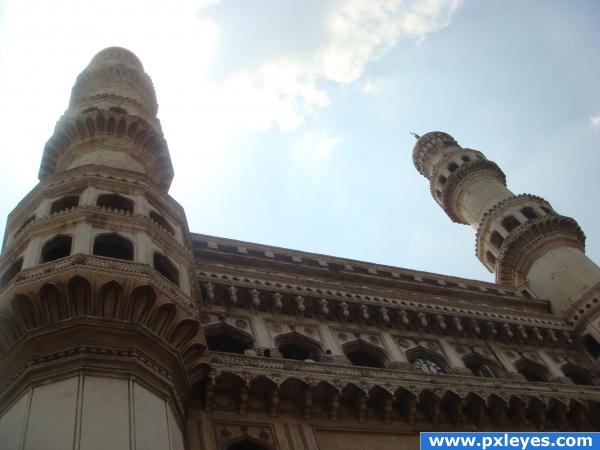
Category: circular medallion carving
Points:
column 403, row 342
column 241, row 323
column 310, row 331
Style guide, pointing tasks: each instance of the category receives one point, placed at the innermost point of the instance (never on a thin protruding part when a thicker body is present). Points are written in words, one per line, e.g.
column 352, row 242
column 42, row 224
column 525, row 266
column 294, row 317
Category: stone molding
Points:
column 530, row 240
column 101, row 122
column 466, row 173
column 427, row 145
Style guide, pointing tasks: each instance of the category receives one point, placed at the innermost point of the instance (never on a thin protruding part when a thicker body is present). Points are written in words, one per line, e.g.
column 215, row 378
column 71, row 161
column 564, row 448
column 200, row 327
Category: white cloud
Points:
column 314, row 149
column 595, row 122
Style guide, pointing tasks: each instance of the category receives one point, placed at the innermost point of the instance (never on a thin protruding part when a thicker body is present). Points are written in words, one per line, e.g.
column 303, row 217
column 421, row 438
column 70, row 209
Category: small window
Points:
column 496, row 239
column 442, row 179
column 546, row 210
column 166, row 268
column 465, row 158
column 533, row 372
column 113, row 246
column 160, row 220
column 115, row 201
column 361, row 354
column 70, row 201
column 56, row 248
column 224, row 339
column 11, row 272
column 490, row 257
column 482, row 369
column 591, row 345
column 426, row 365
column 452, row 167
column 579, row 376
column 529, row 212
column 299, row 348
column 510, row 223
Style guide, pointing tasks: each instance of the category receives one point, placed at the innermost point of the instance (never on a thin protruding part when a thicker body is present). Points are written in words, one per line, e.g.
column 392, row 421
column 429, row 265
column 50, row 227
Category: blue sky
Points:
column 288, row 122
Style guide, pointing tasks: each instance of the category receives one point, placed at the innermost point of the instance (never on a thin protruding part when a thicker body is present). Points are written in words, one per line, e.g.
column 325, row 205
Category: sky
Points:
column 288, row 121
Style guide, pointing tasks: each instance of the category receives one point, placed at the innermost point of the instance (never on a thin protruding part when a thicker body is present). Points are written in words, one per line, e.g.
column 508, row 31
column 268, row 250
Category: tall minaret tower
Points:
column 519, row 237
column 99, row 339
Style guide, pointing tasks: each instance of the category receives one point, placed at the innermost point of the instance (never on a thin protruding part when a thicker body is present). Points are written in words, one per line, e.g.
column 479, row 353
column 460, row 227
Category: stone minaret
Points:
column 99, row 342
column 519, row 237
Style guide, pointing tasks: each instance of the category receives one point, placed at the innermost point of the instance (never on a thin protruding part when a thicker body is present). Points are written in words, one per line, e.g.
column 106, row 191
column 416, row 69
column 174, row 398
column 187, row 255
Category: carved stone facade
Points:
column 119, row 328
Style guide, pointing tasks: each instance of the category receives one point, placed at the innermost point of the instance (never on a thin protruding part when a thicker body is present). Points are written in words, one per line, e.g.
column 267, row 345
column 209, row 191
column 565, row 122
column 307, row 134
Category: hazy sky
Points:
column 288, row 121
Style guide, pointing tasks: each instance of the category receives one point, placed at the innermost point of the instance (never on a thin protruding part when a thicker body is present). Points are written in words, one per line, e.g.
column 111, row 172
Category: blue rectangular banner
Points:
column 508, row 441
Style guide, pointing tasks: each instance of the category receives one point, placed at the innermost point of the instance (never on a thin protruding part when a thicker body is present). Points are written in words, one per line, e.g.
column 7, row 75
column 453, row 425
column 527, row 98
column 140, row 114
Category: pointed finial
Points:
column 415, row 135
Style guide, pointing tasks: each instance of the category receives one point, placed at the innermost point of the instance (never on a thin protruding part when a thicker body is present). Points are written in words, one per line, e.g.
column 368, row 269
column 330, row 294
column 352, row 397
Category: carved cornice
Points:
column 134, row 77
column 100, row 122
column 397, row 394
column 530, row 240
column 80, row 263
column 337, row 295
column 466, row 173
column 59, row 322
column 492, row 213
column 427, row 145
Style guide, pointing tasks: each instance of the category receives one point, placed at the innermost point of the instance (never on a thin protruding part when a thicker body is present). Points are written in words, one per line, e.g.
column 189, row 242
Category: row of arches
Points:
column 109, row 245
column 109, row 201
column 223, row 338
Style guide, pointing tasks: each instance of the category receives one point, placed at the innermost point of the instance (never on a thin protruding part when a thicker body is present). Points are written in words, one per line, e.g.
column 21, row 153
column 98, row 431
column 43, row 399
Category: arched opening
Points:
column 160, row 220
column 482, row 367
column 166, row 268
column 223, row 338
column 113, row 246
column 578, row 375
column 532, row 371
column 362, row 354
column 426, row 365
column 510, row 223
column 70, row 201
column 56, row 248
column 529, row 212
column 11, row 272
column 591, row 345
column 247, row 444
column 442, row 179
column 465, row 158
column 452, row 167
column 115, row 201
column 427, row 362
column 496, row 239
column 298, row 347
column 546, row 210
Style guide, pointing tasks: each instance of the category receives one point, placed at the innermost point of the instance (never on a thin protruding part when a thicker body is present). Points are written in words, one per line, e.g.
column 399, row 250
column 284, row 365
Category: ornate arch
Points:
column 362, row 353
column 421, row 353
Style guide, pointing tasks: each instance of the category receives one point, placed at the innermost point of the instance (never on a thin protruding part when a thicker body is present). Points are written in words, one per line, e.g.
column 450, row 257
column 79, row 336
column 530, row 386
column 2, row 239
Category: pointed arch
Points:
column 299, row 347
column 183, row 332
column 223, row 337
column 163, row 318
column 578, row 374
column 110, row 301
column 246, row 443
column 532, row 371
column 55, row 248
column 80, row 296
column 53, row 303
column 482, row 366
column 140, row 304
column 365, row 354
column 427, row 361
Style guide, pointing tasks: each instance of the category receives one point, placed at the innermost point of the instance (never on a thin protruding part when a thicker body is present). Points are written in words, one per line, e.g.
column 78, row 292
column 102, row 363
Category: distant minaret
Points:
column 519, row 237
column 99, row 339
